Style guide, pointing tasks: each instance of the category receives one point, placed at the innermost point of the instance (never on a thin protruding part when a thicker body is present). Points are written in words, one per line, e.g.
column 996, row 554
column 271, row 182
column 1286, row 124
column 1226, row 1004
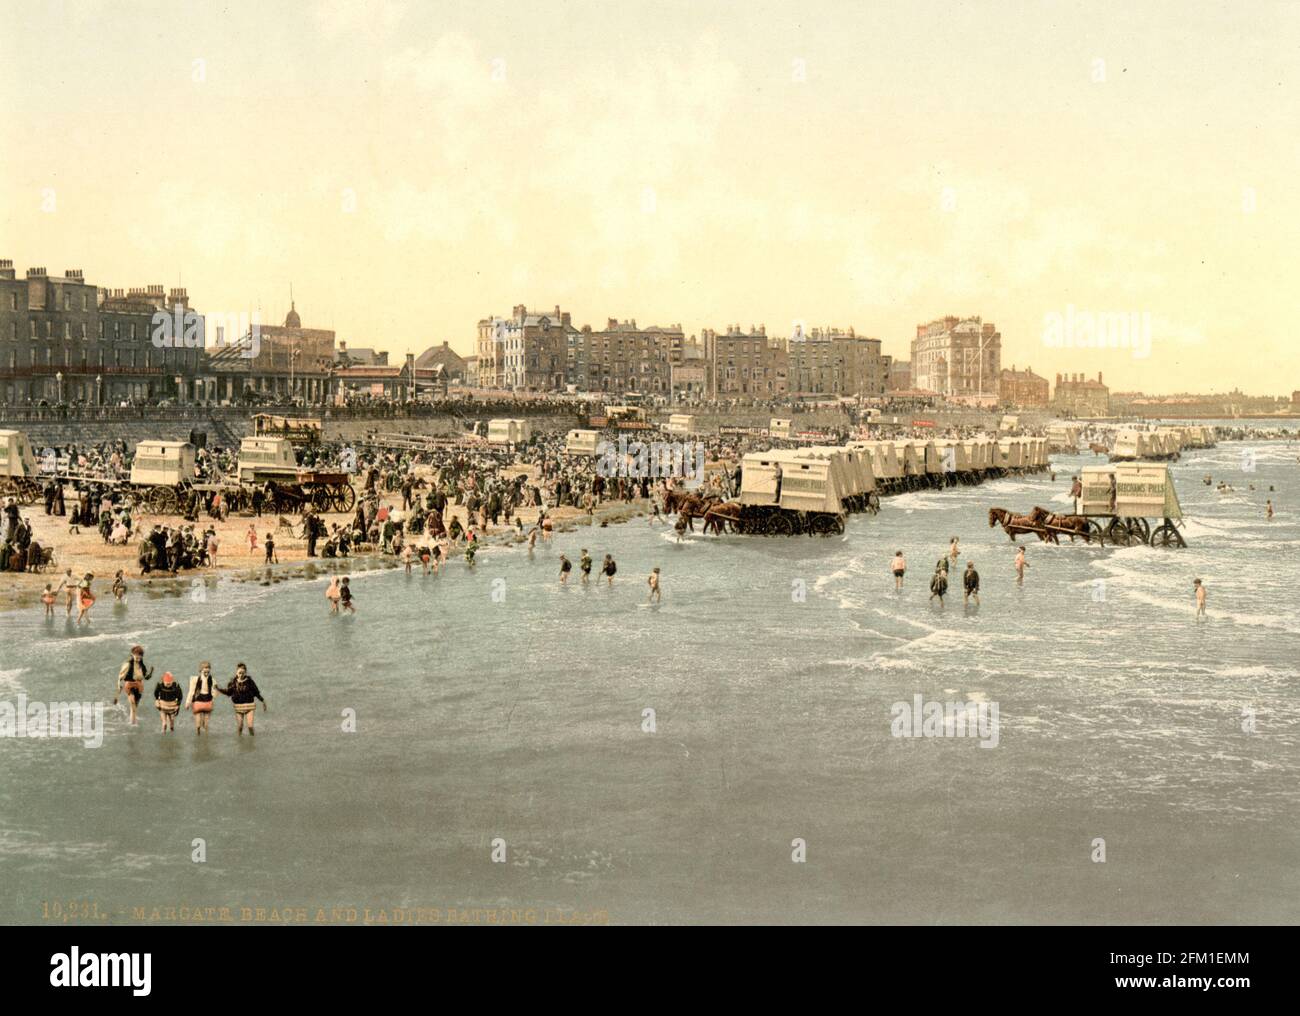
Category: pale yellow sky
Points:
column 412, row 167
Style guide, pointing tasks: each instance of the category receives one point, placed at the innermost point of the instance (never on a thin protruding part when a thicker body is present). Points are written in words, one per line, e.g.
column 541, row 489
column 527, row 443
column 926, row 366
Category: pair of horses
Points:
column 689, row 506
column 1047, row 526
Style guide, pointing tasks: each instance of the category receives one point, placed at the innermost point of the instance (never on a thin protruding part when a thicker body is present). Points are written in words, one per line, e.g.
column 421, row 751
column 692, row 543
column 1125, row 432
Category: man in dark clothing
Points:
column 971, row 583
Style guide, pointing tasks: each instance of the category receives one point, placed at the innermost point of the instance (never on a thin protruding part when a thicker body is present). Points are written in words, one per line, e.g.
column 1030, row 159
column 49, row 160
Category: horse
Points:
column 1075, row 525
column 1015, row 525
column 719, row 514
column 689, row 506
column 1098, row 449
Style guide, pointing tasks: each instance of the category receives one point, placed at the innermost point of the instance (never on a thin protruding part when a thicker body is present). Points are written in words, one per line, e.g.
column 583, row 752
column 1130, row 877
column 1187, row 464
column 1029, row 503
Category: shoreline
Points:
column 22, row 590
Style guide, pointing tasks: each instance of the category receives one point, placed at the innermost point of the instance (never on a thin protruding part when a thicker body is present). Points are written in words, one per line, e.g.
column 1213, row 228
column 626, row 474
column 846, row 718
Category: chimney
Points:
column 1098, row 377
column 36, row 273
column 73, row 273
column 6, row 268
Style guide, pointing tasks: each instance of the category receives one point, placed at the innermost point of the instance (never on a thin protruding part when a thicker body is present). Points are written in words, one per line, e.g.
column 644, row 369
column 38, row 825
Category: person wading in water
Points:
column 971, row 583
column 199, row 700
column 131, row 678
column 244, row 695
column 167, row 700
column 939, row 584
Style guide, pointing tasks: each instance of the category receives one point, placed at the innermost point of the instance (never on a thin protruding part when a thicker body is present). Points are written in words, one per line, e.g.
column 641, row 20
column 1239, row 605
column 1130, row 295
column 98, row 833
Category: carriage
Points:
column 1127, row 495
column 265, row 460
column 18, row 469
column 581, row 442
column 854, row 475
column 508, row 431
column 784, row 494
column 1145, row 445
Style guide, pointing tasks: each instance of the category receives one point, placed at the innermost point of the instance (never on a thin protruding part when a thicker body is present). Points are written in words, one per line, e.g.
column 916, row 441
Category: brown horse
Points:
column 1075, row 525
column 1015, row 525
column 1098, row 449
column 720, row 515
column 689, row 506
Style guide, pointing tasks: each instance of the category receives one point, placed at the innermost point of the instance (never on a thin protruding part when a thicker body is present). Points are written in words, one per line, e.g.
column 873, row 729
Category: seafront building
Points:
column 959, row 359
column 1023, row 389
column 836, row 362
column 1080, row 396
column 64, row 340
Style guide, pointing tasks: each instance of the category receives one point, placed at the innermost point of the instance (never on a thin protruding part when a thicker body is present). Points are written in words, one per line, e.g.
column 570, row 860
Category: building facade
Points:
column 527, row 352
column 836, row 362
column 624, row 357
column 62, row 340
column 958, row 358
column 746, row 364
column 1023, row 388
column 287, row 363
column 1079, row 396
column 899, row 378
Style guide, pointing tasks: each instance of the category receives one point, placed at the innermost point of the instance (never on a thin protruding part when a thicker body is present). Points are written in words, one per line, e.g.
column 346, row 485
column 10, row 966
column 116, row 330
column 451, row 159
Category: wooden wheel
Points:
column 782, row 525
column 1167, row 535
column 1117, row 532
column 343, row 498
column 27, row 491
column 824, row 525
column 321, row 498
column 162, row 500
column 1095, row 532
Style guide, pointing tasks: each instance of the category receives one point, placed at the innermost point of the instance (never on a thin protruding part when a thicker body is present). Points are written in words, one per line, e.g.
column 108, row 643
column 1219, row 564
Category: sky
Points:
column 410, row 168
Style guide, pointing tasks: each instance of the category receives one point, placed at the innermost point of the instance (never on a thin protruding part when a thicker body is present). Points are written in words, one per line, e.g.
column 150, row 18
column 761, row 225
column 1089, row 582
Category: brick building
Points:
column 1080, row 397
column 1023, row 388
column 452, row 364
column 835, row 362
column 746, row 364
column 899, row 378
column 624, row 357
column 64, row 340
column 527, row 351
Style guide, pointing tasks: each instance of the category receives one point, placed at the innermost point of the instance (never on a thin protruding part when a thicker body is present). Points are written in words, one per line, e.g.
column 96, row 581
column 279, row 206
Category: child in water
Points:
column 87, row 598
column 47, row 598
column 167, row 700
column 244, row 694
column 653, row 582
column 199, row 700
column 332, row 594
column 939, row 584
column 119, row 586
column 345, row 596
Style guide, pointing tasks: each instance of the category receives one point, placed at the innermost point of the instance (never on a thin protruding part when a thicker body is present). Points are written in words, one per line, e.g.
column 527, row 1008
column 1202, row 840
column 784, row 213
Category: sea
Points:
column 488, row 745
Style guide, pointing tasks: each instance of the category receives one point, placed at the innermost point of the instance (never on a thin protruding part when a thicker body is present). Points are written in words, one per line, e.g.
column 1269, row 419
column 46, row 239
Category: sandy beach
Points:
column 86, row 551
